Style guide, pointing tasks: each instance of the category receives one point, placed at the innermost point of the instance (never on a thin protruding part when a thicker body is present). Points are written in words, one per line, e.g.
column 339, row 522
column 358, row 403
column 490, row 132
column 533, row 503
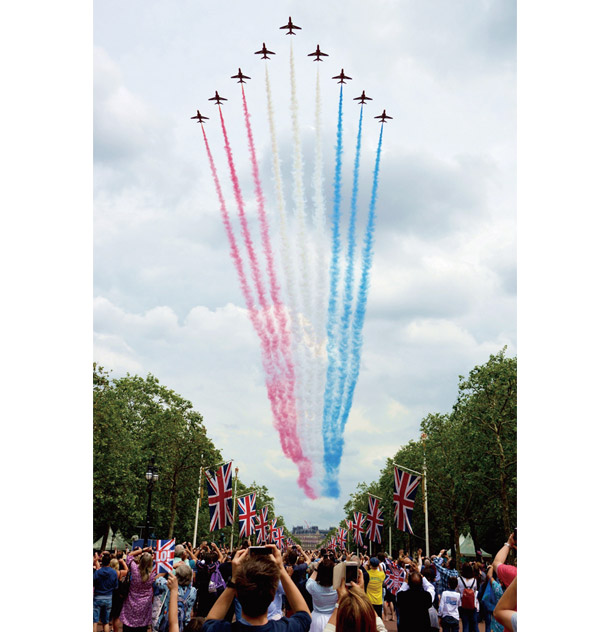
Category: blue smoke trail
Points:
column 359, row 314
column 331, row 323
column 344, row 345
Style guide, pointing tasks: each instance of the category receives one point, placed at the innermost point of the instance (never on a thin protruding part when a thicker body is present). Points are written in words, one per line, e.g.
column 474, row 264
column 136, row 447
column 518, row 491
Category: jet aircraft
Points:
column 362, row 98
column 317, row 54
column 290, row 26
column 240, row 76
column 341, row 77
column 199, row 117
column 217, row 98
column 383, row 117
column 264, row 51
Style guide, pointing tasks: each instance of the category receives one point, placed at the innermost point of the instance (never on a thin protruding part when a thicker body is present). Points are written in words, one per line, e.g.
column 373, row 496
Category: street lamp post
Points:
column 152, row 476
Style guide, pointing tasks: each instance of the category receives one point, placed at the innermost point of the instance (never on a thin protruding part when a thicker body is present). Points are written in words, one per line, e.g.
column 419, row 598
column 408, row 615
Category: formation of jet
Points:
column 240, row 76
column 199, row 117
column 290, row 26
column 341, row 76
column 217, row 98
column 361, row 98
column 317, row 54
column 264, row 51
column 383, row 117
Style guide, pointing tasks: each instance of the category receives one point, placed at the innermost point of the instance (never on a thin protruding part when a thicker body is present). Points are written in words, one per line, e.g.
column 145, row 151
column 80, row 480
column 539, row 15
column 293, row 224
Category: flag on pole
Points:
column 375, row 519
column 262, row 526
column 394, row 576
column 220, row 496
column 405, row 489
column 358, row 527
column 280, row 538
column 341, row 538
column 349, row 524
column 273, row 530
column 246, row 509
column 163, row 558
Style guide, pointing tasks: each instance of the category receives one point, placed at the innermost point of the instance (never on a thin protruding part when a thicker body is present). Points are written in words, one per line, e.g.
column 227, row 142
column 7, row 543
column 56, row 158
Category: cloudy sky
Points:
column 443, row 286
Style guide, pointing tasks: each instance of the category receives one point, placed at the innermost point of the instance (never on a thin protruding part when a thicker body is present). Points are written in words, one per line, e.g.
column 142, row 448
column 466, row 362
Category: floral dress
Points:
column 498, row 592
column 137, row 609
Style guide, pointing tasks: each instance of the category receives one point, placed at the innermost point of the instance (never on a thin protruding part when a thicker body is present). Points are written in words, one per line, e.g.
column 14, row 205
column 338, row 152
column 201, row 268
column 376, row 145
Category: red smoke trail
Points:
column 285, row 342
column 255, row 315
column 286, row 428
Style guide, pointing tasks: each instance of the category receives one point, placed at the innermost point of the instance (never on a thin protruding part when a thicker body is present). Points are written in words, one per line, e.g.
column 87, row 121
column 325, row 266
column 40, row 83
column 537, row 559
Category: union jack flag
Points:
column 341, row 538
column 375, row 518
column 405, row 488
column 333, row 543
column 273, row 530
column 279, row 538
column 261, row 526
column 163, row 558
column 349, row 524
column 246, row 509
column 358, row 528
column 220, row 496
column 394, row 577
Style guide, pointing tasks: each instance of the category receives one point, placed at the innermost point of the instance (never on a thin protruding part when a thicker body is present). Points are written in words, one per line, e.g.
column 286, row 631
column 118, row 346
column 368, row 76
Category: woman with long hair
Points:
column 136, row 614
column 323, row 595
column 354, row 611
column 118, row 595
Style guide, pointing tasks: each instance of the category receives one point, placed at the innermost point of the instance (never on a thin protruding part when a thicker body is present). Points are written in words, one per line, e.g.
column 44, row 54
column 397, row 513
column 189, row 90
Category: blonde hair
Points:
column 114, row 564
column 145, row 566
column 355, row 612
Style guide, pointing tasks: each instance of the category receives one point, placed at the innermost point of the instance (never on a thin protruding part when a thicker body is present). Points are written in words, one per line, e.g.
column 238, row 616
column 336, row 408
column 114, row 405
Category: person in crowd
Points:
column 448, row 608
column 120, row 592
column 467, row 587
column 187, row 594
column 505, row 611
column 254, row 582
column 354, row 611
column 323, row 595
column 444, row 573
column 136, row 614
column 105, row 581
column 506, row 572
column 388, row 605
column 374, row 589
column 497, row 592
column 413, row 606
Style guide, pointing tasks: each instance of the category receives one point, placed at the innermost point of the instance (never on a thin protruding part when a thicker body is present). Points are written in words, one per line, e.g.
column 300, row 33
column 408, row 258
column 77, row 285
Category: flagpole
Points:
column 197, row 510
column 390, row 528
column 234, row 501
column 424, row 437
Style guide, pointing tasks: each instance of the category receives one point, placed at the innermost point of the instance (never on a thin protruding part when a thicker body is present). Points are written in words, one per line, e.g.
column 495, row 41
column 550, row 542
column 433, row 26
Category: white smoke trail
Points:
column 320, row 297
column 309, row 443
column 308, row 334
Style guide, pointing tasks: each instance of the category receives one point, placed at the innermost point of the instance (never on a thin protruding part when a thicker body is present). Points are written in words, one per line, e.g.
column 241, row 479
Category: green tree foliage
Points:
column 136, row 420
column 470, row 456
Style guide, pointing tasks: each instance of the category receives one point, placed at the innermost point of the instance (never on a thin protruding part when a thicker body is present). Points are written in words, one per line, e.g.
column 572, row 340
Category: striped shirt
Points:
column 444, row 575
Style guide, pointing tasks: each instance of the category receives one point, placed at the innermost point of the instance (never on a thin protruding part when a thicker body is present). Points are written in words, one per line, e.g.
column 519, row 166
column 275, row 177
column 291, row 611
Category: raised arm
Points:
column 223, row 603
column 502, row 554
column 172, row 584
column 307, row 558
column 293, row 594
column 507, row 606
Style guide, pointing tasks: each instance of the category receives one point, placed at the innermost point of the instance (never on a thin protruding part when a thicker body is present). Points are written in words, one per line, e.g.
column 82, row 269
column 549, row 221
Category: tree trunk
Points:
column 105, row 540
column 456, row 540
column 172, row 506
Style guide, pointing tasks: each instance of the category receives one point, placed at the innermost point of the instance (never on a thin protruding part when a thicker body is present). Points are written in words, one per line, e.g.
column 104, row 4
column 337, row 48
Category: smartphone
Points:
column 345, row 570
column 260, row 550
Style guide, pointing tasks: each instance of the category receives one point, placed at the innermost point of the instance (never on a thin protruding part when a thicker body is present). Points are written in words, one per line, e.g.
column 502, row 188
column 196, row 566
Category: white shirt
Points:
column 449, row 604
column 470, row 583
column 425, row 583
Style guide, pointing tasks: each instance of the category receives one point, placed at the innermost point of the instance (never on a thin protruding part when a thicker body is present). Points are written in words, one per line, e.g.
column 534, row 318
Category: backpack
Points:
column 217, row 581
column 468, row 598
column 163, row 624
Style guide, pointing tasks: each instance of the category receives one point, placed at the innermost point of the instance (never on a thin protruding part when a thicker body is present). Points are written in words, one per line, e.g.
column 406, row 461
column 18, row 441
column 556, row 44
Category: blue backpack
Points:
column 163, row 625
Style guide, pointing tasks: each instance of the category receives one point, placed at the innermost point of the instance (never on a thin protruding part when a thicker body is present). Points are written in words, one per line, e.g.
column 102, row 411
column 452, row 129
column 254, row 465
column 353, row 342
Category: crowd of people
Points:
column 215, row 589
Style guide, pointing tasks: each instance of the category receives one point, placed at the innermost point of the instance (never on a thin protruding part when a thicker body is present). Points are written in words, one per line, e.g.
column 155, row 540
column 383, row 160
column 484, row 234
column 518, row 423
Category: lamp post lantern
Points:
column 152, row 476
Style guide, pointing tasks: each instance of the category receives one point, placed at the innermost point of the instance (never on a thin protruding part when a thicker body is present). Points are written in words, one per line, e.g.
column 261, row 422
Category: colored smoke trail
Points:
column 291, row 283
column 359, row 314
column 287, row 430
column 331, row 322
column 285, row 339
column 345, row 326
column 320, row 285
